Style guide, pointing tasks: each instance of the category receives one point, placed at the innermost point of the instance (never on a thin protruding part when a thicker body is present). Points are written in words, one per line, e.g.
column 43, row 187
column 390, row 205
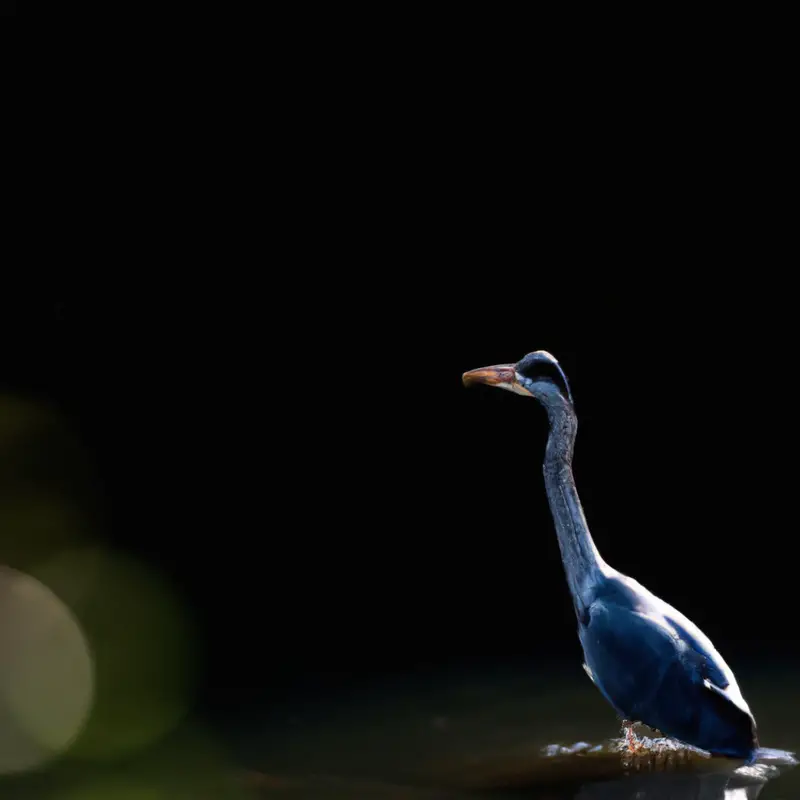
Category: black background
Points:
column 341, row 508
column 266, row 369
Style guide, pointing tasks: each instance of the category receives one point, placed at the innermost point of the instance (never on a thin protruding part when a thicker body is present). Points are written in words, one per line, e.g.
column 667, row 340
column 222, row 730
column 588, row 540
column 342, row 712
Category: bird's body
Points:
column 654, row 665
column 651, row 663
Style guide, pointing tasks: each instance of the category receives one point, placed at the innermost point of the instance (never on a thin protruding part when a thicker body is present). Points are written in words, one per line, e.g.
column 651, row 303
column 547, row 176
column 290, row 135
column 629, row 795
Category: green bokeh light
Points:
column 46, row 674
column 142, row 646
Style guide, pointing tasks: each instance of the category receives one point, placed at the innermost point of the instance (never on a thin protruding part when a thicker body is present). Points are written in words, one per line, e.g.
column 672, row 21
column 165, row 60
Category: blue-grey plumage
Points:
column 651, row 663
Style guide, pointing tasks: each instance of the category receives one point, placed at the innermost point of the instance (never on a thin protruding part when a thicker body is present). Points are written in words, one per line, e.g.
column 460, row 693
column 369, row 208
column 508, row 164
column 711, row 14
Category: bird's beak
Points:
column 504, row 376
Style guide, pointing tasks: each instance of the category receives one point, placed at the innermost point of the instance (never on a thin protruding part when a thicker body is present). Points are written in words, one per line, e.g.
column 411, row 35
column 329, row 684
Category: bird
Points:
column 652, row 664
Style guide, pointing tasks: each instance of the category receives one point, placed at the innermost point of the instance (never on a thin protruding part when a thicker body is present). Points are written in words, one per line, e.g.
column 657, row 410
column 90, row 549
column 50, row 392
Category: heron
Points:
column 650, row 662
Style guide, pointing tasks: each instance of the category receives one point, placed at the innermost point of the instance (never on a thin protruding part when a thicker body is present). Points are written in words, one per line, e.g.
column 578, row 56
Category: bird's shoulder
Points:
column 618, row 592
column 621, row 609
column 693, row 646
column 616, row 619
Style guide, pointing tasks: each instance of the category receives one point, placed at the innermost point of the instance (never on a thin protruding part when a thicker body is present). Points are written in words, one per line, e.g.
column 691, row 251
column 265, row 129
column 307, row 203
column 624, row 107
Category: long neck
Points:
column 582, row 562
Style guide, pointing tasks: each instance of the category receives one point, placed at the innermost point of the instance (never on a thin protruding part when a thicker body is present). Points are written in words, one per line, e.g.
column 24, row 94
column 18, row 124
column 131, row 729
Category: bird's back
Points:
column 655, row 666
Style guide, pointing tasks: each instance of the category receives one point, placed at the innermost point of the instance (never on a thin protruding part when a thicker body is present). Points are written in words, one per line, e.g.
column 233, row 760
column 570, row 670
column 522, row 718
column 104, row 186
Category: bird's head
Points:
column 537, row 375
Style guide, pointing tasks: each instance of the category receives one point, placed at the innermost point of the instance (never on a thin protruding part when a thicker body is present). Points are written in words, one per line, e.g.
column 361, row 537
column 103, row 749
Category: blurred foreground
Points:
column 510, row 733
column 518, row 731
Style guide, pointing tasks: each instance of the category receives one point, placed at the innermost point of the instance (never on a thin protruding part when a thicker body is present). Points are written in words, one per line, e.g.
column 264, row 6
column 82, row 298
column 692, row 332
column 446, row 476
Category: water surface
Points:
column 513, row 732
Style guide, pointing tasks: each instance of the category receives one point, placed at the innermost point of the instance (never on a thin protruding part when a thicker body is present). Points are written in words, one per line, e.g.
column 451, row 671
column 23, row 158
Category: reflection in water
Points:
column 662, row 770
column 725, row 783
column 494, row 734
column 579, row 772
column 714, row 786
column 714, row 782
